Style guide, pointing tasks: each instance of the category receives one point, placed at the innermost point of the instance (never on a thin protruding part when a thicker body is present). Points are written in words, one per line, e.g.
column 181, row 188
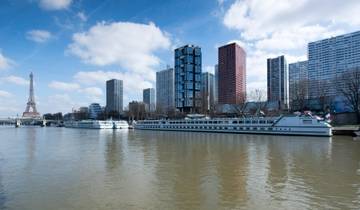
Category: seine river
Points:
column 60, row 168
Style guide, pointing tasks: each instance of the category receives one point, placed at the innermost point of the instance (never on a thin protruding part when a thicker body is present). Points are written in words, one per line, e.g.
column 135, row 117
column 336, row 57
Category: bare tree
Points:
column 349, row 87
column 259, row 97
column 299, row 94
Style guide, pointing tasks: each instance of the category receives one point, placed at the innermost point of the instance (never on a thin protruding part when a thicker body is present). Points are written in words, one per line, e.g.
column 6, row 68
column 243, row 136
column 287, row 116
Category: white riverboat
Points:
column 91, row 124
column 120, row 124
column 97, row 124
column 283, row 125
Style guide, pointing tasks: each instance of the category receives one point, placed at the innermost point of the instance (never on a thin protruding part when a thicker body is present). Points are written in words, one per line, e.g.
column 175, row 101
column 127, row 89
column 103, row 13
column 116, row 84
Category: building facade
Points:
column 188, row 79
column 207, row 92
column 94, row 111
column 216, row 88
column 165, row 90
column 328, row 59
column 114, row 95
column 232, row 74
column 278, row 81
column 149, row 99
column 298, row 81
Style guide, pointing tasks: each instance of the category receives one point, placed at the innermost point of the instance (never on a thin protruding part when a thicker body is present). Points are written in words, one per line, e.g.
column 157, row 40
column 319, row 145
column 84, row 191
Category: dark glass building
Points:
column 165, row 90
column 114, row 95
column 149, row 99
column 277, row 81
column 232, row 74
column 207, row 91
column 188, row 79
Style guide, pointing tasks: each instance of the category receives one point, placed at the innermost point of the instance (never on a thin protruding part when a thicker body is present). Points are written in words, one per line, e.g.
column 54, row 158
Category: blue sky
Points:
column 74, row 46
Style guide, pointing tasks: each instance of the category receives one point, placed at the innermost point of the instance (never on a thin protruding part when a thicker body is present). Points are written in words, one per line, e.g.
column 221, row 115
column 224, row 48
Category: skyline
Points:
column 74, row 46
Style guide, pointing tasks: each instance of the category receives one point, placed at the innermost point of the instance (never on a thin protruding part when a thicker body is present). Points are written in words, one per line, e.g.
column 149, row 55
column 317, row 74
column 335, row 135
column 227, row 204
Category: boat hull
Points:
column 270, row 126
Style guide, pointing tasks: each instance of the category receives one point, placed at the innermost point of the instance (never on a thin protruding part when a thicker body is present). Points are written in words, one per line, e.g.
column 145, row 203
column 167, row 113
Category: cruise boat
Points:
column 120, row 124
column 282, row 125
column 92, row 124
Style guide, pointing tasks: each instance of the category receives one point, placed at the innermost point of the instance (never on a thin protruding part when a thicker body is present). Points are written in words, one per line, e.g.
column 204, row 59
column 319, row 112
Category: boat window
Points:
column 235, row 122
column 240, row 122
column 254, row 122
column 248, row 121
column 307, row 122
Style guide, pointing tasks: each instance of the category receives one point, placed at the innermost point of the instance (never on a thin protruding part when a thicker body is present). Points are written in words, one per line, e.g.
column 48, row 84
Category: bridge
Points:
column 27, row 121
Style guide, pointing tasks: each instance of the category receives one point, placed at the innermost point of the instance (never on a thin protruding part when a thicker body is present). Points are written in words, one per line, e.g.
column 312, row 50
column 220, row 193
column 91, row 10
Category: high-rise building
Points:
column 328, row 59
column 165, row 90
column 216, row 88
column 298, row 80
column 232, row 74
column 278, row 81
column 114, row 95
column 94, row 110
column 188, row 78
column 207, row 91
column 149, row 99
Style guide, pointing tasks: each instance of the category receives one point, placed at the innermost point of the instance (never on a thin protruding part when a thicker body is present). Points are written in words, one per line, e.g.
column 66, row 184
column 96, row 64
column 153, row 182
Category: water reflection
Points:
column 30, row 147
column 96, row 169
column 2, row 190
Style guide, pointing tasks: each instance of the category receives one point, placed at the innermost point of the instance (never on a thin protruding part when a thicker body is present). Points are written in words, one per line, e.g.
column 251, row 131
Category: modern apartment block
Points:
column 165, row 90
column 149, row 99
column 328, row 59
column 94, row 111
column 207, row 91
column 188, row 78
column 114, row 95
column 216, row 88
column 232, row 74
column 298, row 80
column 277, row 81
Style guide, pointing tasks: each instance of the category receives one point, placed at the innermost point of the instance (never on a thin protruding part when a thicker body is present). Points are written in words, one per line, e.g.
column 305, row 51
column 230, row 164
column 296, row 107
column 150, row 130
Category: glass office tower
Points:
column 188, row 79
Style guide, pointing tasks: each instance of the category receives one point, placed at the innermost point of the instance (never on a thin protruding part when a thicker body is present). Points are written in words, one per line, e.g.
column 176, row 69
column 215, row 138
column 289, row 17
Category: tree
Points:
column 349, row 86
column 299, row 94
column 259, row 97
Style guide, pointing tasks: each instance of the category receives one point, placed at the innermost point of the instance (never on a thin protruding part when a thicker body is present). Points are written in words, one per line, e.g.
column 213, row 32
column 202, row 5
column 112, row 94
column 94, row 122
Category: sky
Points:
column 74, row 46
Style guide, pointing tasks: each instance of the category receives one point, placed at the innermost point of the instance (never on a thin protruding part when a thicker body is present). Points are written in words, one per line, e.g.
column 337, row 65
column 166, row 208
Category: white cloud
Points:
column 95, row 91
column 82, row 16
column 60, row 103
column 5, row 62
column 14, row 80
column 5, row 94
column 131, row 46
column 39, row 36
column 283, row 27
column 64, row 86
column 54, row 4
column 133, row 83
column 92, row 93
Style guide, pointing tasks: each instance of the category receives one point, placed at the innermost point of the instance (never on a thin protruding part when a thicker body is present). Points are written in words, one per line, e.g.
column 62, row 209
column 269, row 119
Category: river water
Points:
column 60, row 168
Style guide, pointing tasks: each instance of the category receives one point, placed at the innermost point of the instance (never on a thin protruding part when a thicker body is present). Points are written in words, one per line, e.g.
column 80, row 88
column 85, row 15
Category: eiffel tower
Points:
column 31, row 102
